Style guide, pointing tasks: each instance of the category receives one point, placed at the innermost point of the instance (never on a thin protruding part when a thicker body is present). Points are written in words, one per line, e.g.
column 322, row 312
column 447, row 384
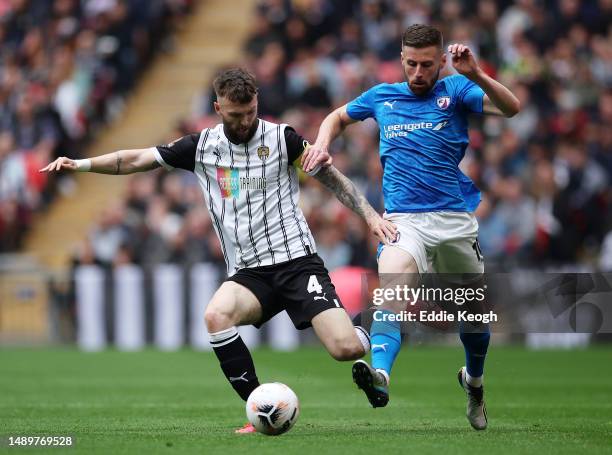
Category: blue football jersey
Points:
column 422, row 141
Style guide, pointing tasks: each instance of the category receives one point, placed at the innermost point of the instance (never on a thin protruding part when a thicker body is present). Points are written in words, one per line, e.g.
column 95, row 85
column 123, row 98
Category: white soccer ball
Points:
column 272, row 408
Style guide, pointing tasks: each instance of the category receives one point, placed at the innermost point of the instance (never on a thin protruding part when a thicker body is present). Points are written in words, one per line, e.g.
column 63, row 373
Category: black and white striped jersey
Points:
column 251, row 191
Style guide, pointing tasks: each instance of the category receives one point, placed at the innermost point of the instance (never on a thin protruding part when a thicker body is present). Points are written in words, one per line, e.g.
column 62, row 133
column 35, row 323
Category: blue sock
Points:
column 475, row 345
column 386, row 341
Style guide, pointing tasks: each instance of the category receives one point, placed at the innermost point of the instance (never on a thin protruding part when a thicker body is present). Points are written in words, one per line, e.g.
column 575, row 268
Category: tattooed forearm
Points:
column 345, row 191
column 124, row 162
column 118, row 163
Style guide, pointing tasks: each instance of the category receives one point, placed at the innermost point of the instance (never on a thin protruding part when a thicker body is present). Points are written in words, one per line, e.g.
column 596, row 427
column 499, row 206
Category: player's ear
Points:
column 217, row 107
column 443, row 58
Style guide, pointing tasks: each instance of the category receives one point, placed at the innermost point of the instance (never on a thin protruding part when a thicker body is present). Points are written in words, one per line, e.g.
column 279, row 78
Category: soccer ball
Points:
column 272, row 408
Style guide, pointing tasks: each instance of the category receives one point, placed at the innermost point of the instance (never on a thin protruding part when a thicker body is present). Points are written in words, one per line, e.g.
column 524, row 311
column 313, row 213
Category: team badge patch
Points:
column 443, row 102
column 263, row 152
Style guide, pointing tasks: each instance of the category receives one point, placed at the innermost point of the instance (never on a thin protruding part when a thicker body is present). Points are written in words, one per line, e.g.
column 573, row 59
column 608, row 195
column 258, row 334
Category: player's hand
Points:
column 314, row 156
column 61, row 163
column 383, row 229
column 463, row 60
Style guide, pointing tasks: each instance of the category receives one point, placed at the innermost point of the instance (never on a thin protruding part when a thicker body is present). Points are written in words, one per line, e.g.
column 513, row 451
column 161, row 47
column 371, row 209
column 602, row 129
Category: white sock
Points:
column 364, row 337
column 385, row 375
column 471, row 380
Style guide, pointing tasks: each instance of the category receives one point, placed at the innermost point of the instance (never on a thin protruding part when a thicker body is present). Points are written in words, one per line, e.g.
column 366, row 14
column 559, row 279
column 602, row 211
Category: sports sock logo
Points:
column 380, row 346
column 239, row 378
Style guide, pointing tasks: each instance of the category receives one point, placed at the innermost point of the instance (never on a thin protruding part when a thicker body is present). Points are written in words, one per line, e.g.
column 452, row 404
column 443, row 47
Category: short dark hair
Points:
column 235, row 84
column 419, row 35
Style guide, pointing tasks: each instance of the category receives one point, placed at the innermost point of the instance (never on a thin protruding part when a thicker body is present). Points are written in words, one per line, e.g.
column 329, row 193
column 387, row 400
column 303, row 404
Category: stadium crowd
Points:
column 65, row 67
column 545, row 174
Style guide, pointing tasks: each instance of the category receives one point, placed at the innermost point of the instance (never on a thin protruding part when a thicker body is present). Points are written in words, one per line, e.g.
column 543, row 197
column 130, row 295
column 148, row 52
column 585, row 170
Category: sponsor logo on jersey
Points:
column 443, row 101
column 402, row 129
column 440, row 125
column 230, row 183
column 263, row 152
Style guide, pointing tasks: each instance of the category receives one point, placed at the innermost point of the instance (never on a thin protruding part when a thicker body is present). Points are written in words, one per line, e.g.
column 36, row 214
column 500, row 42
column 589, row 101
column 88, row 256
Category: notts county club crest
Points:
column 263, row 152
column 443, row 102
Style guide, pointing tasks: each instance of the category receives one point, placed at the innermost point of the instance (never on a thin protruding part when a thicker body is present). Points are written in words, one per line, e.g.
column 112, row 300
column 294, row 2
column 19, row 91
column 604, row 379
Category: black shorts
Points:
column 301, row 287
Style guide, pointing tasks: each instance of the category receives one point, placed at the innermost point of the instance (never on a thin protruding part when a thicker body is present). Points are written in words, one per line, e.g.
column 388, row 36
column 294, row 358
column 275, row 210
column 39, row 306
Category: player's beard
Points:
column 421, row 90
column 240, row 136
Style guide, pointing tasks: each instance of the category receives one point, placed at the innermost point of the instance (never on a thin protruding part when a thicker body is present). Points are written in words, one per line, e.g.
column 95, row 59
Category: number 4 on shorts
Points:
column 313, row 285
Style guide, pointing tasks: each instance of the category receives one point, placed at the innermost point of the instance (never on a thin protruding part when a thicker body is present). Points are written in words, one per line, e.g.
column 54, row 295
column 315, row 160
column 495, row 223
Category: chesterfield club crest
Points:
column 443, row 102
column 263, row 152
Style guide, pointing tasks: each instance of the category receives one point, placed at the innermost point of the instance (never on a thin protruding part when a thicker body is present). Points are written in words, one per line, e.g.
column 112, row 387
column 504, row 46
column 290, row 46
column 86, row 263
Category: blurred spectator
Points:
column 65, row 66
column 110, row 234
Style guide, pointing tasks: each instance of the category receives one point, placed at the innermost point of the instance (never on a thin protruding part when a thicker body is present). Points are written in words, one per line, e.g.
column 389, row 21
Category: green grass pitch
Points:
column 155, row 402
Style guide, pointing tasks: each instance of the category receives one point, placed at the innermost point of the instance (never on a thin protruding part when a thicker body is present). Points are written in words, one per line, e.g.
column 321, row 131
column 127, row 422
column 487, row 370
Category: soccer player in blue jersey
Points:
column 423, row 136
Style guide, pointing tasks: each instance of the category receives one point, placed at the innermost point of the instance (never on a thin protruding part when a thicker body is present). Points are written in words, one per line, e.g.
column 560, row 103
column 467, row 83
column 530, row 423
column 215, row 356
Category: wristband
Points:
column 83, row 165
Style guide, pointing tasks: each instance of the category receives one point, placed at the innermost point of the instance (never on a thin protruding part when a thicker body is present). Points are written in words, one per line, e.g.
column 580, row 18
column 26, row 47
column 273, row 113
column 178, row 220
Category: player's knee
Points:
column 347, row 349
column 216, row 319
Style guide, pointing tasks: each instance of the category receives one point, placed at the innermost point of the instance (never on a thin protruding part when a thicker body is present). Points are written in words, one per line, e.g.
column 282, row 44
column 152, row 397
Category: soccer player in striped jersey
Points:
column 247, row 169
column 423, row 136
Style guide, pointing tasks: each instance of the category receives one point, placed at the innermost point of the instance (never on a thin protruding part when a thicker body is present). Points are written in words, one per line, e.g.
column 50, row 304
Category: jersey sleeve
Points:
column 362, row 107
column 470, row 95
column 179, row 153
column 296, row 144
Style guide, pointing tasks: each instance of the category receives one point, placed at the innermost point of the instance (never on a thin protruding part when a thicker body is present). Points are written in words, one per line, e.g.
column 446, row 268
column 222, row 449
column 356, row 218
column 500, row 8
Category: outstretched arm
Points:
column 318, row 153
column 350, row 196
column 498, row 98
column 120, row 162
